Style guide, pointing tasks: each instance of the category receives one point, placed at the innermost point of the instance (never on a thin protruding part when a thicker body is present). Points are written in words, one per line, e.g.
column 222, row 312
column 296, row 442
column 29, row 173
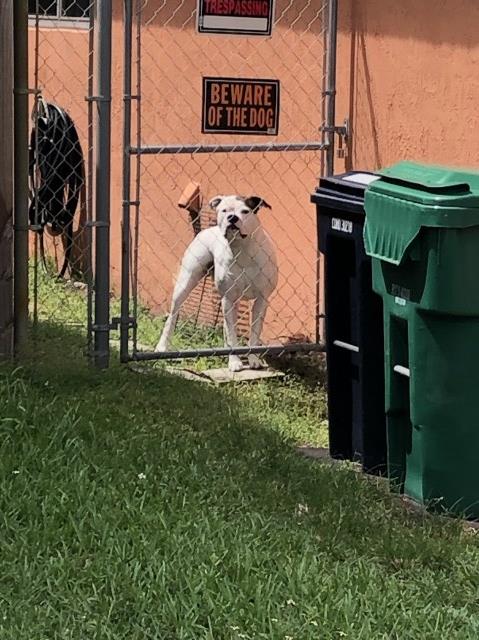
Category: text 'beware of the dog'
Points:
column 232, row 105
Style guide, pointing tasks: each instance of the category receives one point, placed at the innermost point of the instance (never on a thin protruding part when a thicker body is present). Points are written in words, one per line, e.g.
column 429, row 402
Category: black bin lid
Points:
column 344, row 192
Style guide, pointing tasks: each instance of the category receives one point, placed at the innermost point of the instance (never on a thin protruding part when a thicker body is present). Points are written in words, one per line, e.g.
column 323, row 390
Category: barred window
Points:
column 59, row 9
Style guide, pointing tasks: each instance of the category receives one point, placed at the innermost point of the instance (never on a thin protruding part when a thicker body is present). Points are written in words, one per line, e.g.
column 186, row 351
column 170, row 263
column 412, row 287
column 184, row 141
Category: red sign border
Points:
column 206, row 130
column 238, row 32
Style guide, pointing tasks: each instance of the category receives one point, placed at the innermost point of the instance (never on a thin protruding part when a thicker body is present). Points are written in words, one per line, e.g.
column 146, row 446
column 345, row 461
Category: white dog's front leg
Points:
column 257, row 319
column 230, row 317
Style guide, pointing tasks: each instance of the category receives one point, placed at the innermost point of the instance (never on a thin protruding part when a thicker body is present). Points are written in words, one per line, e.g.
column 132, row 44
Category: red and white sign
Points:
column 236, row 17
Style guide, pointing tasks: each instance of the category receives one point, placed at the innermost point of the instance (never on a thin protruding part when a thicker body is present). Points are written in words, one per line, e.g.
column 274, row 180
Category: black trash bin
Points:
column 354, row 325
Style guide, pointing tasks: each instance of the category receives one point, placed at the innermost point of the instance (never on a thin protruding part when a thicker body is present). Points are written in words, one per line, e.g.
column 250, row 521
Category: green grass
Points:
column 294, row 406
column 143, row 507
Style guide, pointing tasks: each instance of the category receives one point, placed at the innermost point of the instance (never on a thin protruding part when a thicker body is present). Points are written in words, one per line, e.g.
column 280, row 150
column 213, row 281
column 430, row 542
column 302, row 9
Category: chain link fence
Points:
column 175, row 168
column 61, row 50
column 168, row 165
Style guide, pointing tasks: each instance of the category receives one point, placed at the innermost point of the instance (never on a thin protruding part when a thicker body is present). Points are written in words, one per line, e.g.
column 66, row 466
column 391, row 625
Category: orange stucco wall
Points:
column 407, row 79
column 174, row 61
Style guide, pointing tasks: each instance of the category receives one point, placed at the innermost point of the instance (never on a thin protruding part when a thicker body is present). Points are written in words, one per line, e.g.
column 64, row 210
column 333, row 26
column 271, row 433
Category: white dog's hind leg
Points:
column 230, row 316
column 257, row 319
column 193, row 268
column 183, row 288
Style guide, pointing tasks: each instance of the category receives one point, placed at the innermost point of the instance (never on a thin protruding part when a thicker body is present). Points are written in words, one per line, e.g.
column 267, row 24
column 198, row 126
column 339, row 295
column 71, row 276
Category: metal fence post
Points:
column 125, row 230
column 90, row 178
column 330, row 91
column 6, row 186
column 20, row 277
column 101, row 327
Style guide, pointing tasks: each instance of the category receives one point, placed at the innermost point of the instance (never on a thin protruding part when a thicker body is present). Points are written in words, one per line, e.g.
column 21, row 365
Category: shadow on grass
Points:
column 157, row 467
column 189, row 416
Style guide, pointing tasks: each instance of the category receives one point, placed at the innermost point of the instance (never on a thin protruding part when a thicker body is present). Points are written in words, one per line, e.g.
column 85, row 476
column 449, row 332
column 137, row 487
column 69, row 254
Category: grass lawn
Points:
column 144, row 507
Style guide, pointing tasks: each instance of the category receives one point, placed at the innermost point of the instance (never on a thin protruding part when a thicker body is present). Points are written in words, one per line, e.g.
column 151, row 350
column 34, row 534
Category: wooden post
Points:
column 6, row 179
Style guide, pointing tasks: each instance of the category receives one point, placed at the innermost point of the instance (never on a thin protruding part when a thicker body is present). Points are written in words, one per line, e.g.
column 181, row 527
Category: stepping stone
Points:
column 224, row 375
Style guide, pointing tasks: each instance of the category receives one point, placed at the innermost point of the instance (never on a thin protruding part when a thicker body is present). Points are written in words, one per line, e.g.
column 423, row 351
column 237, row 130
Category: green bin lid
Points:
column 409, row 196
column 429, row 184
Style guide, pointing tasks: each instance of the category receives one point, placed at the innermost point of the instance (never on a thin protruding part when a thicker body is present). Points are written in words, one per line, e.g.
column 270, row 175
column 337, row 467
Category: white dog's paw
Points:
column 255, row 362
column 234, row 363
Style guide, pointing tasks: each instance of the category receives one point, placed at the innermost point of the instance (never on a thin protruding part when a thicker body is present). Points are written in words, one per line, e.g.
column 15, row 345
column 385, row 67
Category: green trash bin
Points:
column 422, row 231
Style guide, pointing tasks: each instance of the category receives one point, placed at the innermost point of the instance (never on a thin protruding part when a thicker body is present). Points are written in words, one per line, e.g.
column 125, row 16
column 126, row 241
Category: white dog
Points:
column 245, row 267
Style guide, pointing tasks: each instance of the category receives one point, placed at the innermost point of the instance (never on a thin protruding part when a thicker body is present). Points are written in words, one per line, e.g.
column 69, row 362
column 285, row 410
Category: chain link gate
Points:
column 61, row 44
column 166, row 157
column 69, row 172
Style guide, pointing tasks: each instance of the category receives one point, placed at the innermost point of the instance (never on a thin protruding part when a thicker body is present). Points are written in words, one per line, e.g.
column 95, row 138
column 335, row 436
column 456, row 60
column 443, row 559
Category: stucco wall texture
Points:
column 407, row 79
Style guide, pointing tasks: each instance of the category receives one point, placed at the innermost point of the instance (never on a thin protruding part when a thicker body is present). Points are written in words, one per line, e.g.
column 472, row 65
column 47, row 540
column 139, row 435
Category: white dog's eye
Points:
column 244, row 210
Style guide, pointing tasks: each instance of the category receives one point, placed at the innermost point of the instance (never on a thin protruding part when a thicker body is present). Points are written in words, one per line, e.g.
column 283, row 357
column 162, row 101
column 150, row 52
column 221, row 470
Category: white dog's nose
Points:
column 232, row 219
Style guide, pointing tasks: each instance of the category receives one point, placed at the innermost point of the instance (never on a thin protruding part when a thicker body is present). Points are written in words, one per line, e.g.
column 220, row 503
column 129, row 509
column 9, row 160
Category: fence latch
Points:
column 129, row 323
column 343, row 132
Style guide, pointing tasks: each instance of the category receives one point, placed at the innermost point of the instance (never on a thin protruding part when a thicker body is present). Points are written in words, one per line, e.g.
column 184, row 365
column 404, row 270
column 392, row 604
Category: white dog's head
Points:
column 236, row 215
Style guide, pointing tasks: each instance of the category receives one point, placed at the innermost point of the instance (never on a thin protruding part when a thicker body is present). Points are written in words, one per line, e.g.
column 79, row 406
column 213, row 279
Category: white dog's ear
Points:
column 214, row 202
column 255, row 203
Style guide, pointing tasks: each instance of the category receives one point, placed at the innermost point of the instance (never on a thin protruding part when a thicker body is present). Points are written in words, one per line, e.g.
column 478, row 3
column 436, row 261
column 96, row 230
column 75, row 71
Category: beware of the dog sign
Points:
column 232, row 105
column 236, row 17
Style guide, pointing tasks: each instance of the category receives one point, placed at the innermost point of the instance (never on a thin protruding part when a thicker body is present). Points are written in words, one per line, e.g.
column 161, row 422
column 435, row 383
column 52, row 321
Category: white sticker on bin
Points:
column 361, row 178
column 346, row 226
